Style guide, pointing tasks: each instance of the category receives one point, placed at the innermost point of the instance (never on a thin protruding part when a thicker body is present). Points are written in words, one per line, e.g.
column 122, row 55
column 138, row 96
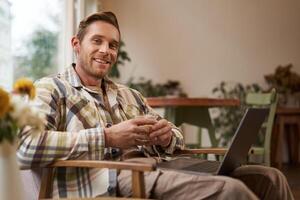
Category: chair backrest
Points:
column 265, row 100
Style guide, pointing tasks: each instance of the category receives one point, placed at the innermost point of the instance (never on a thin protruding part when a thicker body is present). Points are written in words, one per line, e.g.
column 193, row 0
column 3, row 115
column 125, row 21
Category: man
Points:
column 91, row 117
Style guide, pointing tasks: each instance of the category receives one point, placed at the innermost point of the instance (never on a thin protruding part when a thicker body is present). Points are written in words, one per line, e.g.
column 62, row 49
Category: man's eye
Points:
column 97, row 40
column 114, row 47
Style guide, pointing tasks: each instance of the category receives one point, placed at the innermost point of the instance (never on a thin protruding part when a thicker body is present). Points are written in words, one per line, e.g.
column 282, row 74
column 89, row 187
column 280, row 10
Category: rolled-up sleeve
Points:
column 177, row 141
column 54, row 143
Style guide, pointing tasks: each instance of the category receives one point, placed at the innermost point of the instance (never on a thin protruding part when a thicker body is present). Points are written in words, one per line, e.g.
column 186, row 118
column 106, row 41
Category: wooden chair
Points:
column 264, row 100
column 199, row 116
column 138, row 169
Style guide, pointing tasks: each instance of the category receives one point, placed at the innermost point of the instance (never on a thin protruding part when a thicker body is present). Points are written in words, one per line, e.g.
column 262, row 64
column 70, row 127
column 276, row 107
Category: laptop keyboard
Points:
column 206, row 166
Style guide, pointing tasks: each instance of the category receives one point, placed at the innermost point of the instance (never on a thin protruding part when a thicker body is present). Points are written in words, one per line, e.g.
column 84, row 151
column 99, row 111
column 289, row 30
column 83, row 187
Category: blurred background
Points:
column 194, row 48
column 197, row 43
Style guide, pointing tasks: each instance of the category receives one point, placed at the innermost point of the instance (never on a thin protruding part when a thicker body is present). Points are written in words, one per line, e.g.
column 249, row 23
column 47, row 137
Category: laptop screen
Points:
column 244, row 137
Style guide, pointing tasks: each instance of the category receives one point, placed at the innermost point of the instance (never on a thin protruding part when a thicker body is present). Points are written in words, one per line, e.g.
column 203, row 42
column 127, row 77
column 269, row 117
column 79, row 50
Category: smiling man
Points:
column 91, row 117
column 96, row 50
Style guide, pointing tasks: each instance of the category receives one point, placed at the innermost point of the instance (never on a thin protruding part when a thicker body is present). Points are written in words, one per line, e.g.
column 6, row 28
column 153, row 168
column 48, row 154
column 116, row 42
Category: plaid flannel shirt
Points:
column 76, row 117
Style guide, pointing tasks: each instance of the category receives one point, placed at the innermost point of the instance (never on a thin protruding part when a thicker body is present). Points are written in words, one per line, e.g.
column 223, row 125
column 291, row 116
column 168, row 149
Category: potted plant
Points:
column 121, row 59
column 287, row 84
column 226, row 119
column 149, row 89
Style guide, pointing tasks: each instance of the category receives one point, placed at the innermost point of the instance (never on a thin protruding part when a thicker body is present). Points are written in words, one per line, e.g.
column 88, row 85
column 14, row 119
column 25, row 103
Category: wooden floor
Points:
column 292, row 172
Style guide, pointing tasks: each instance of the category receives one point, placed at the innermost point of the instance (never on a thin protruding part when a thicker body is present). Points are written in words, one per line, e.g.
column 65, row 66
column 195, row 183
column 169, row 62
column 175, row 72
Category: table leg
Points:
column 274, row 143
column 280, row 143
column 291, row 137
column 297, row 143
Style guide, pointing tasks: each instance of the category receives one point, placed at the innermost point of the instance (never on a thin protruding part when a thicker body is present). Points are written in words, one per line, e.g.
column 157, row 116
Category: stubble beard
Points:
column 91, row 70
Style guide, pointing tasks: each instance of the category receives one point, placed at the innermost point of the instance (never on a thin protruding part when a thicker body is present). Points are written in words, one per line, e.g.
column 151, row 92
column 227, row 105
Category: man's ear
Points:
column 75, row 44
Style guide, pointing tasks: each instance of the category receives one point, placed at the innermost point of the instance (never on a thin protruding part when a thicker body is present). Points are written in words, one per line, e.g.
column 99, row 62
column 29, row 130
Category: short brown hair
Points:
column 108, row 17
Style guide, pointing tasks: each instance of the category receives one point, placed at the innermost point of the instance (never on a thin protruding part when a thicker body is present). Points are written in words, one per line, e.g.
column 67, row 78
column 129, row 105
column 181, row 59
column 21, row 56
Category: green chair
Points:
column 194, row 111
column 263, row 100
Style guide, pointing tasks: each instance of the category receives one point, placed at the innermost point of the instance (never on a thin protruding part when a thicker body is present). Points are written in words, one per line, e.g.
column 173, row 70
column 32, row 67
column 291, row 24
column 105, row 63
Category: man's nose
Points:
column 103, row 48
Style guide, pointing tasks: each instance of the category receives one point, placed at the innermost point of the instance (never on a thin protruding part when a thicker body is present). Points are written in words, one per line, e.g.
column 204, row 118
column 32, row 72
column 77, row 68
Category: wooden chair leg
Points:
column 138, row 184
column 46, row 183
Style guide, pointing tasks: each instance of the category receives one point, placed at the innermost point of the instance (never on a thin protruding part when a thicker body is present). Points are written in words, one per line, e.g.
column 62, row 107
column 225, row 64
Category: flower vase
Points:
column 10, row 181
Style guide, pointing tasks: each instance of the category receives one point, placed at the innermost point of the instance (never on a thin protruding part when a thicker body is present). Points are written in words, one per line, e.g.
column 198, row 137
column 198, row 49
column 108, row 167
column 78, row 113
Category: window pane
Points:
column 36, row 27
column 6, row 69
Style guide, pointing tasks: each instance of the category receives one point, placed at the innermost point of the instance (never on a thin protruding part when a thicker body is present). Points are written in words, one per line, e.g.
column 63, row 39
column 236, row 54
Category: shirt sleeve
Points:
column 177, row 141
column 42, row 148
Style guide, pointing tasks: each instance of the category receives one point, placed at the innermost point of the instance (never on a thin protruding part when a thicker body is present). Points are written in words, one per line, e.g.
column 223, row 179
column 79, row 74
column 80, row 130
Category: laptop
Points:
column 236, row 155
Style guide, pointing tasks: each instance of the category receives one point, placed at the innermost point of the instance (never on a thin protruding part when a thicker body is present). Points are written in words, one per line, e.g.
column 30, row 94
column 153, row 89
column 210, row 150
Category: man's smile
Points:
column 101, row 61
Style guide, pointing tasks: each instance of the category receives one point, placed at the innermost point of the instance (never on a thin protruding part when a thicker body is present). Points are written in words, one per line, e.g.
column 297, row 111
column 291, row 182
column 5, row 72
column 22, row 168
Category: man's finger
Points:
column 165, row 136
column 144, row 129
column 165, row 139
column 161, row 131
column 142, row 141
column 160, row 124
column 144, row 121
column 142, row 136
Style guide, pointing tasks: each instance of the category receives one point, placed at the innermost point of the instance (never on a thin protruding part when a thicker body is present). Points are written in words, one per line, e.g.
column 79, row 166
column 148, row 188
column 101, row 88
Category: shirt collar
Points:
column 72, row 77
column 111, row 88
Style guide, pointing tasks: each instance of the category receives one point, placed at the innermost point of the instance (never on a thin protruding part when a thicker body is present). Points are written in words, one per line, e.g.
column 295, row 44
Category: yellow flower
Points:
column 4, row 102
column 25, row 86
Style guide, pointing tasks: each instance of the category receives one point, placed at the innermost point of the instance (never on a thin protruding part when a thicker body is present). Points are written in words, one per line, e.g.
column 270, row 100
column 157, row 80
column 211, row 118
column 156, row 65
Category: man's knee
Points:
column 235, row 189
column 265, row 182
column 273, row 175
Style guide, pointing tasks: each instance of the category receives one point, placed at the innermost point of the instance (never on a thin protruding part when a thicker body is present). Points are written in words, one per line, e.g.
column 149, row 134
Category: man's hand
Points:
column 161, row 133
column 129, row 133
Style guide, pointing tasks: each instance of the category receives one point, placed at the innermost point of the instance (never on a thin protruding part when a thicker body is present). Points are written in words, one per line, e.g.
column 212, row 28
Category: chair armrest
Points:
column 217, row 151
column 104, row 164
column 138, row 183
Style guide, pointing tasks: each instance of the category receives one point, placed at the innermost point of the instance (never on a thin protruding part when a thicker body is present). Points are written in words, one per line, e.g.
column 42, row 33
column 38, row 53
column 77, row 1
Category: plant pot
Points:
column 10, row 181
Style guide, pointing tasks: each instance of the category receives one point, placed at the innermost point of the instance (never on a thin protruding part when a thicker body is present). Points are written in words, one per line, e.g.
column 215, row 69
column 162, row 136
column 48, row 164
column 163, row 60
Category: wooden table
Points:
column 287, row 124
column 193, row 111
column 183, row 101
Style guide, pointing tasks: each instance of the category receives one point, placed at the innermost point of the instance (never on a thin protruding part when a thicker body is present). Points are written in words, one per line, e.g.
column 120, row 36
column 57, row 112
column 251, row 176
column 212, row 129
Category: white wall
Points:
column 201, row 42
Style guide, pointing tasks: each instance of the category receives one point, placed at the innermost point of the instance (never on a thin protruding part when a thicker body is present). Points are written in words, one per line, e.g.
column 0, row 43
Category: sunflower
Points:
column 25, row 86
column 4, row 103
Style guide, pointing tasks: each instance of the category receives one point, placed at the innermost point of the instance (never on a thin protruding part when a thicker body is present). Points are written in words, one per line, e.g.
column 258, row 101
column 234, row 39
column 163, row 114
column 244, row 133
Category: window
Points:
column 35, row 36
column 5, row 45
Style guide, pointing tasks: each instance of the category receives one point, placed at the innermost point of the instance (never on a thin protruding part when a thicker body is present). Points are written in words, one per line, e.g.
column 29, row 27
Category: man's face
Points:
column 98, row 50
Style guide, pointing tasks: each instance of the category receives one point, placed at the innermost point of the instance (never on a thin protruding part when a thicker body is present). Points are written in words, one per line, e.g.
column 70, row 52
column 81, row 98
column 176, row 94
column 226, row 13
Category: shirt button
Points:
column 110, row 190
column 114, row 151
column 108, row 125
